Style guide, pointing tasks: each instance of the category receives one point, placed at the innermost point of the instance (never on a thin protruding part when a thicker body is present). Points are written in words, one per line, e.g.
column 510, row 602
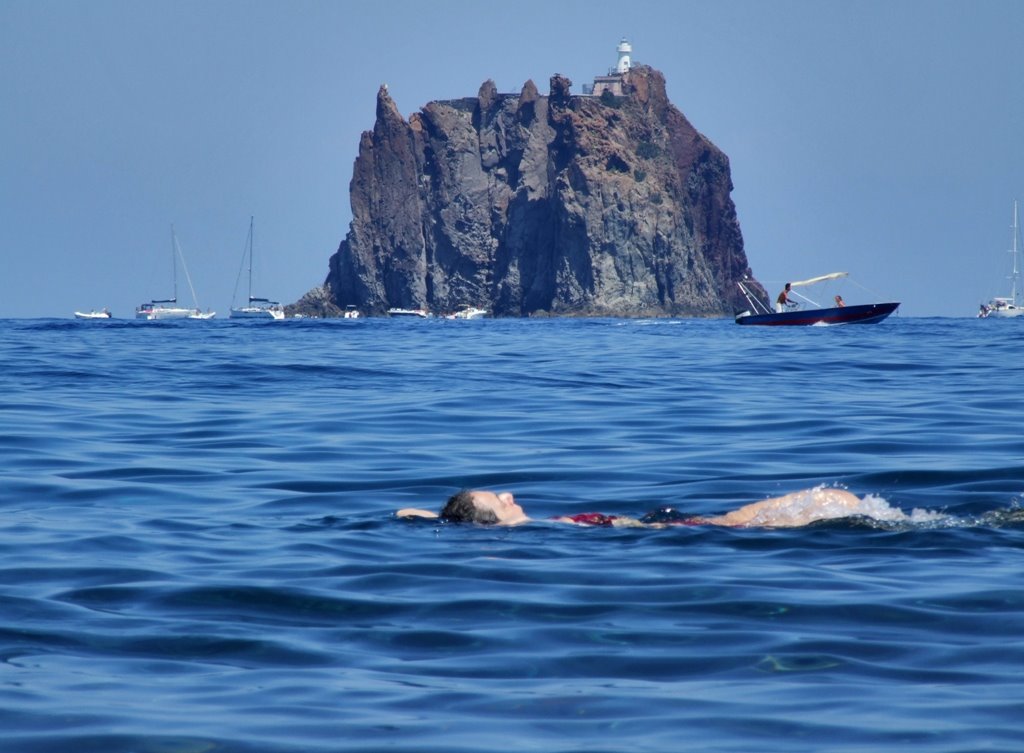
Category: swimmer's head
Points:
column 668, row 516
column 460, row 509
column 483, row 507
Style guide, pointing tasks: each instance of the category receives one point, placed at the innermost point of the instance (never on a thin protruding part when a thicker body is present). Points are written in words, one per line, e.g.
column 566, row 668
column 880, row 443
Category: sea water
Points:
column 198, row 550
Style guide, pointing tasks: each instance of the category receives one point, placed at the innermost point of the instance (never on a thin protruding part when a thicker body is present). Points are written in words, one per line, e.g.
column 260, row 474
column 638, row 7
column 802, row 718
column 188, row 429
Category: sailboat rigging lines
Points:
column 168, row 308
column 255, row 308
column 1010, row 306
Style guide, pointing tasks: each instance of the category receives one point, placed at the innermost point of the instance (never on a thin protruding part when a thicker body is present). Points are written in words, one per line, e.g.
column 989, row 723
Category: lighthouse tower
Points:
column 612, row 83
column 624, row 49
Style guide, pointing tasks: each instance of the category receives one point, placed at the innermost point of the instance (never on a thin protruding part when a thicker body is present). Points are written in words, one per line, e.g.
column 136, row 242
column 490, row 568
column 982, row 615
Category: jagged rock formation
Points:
column 526, row 204
column 317, row 303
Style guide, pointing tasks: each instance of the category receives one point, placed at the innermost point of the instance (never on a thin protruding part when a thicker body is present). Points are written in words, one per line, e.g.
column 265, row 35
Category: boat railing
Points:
column 756, row 304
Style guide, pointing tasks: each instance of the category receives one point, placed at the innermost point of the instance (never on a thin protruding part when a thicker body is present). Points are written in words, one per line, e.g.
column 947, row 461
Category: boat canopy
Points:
column 823, row 278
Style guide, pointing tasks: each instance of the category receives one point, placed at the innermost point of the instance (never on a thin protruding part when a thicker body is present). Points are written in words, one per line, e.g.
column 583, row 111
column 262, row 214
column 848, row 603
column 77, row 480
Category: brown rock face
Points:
column 525, row 204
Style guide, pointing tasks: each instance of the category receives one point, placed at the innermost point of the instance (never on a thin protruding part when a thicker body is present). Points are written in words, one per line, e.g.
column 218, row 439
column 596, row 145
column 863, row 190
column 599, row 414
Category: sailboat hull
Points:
column 869, row 313
column 258, row 312
column 153, row 313
column 1008, row 312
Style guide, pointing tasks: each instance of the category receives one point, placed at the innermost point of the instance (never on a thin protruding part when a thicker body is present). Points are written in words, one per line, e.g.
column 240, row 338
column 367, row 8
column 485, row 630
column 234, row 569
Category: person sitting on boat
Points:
column 788, row 511
column 783, row 300
column 839, row 301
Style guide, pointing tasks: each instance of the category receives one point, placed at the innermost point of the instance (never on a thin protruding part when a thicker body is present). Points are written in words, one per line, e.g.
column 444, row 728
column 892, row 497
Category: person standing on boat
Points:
column 840, row 302
column 783, row 300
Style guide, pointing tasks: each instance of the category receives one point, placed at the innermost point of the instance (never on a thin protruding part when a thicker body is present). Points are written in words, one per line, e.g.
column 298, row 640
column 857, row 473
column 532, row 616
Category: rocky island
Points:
column 608, row 203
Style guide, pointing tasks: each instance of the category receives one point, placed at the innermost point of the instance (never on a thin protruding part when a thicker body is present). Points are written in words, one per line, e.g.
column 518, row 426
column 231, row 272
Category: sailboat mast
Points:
column 174, row 263
column 1016, row 269
column 250, row 257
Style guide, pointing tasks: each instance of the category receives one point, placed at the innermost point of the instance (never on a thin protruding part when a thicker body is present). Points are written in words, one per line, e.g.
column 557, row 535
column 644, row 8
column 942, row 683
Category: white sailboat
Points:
column 168, row 308
column 1007, row 307
column 256, row 308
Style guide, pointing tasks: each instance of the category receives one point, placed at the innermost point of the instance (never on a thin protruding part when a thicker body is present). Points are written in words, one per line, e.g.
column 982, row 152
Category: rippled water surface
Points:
column 198, row 550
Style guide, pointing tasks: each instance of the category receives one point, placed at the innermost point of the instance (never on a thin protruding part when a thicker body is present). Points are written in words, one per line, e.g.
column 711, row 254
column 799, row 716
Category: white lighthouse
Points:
column 612, row 83
column 624, row 49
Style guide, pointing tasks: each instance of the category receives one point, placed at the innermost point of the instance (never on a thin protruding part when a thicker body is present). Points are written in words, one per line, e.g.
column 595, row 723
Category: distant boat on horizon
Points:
column 103, row 313
column 469, row 312
column 400, row 313
column 168, row 308
column 256, row 308
column 1007, row 307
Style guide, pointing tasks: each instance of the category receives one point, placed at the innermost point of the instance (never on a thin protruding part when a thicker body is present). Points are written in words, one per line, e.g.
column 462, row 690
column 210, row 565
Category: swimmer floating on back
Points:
column 788, row 511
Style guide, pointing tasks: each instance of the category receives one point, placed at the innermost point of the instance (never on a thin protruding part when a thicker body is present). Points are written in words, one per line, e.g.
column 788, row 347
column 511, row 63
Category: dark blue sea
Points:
column 199, row 553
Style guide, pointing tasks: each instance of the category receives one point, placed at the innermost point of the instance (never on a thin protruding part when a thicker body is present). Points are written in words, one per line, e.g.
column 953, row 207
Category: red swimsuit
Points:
column 593, row 519
column 600, row 519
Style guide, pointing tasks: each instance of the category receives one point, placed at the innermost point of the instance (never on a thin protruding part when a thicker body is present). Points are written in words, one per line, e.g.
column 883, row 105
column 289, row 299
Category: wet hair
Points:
column 668, row 516
column 460, row 508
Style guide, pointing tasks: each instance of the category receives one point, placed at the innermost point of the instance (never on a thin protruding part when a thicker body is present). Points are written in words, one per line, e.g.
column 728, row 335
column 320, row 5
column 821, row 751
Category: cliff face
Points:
column 526, row 204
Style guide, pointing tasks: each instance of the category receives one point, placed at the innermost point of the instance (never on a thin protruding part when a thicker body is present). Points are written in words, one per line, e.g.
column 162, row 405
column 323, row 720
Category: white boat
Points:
column 407, row 313
column 351, row 312
column 1007, row 307
column 94, row 314
column 168, row 308
column 470, row 312
column 256, row 308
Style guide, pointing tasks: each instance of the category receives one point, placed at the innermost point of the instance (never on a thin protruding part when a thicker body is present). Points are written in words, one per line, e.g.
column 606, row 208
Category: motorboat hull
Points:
column 407, row 313
column 468, row 313
column 869, row 313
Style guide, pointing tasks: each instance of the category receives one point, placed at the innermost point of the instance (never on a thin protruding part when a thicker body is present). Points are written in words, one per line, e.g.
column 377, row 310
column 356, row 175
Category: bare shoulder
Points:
column 415, row 512
column 795, row 508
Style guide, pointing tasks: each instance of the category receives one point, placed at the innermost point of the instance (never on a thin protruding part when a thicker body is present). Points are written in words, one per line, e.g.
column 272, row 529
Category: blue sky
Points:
column 881, row 138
